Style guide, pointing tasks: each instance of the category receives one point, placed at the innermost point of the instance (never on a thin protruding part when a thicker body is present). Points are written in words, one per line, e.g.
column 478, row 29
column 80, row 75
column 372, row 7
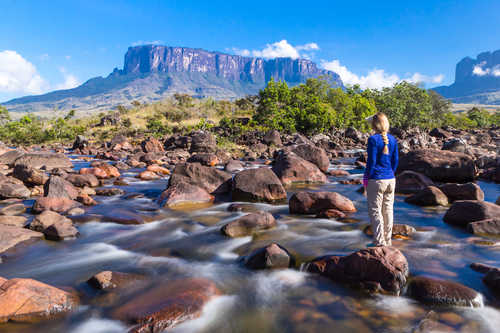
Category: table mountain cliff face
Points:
column 153, row 72
column 476, row 80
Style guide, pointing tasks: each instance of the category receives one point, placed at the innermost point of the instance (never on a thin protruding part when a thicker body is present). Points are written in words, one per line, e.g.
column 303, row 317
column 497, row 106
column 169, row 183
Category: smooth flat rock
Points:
column 11, row 236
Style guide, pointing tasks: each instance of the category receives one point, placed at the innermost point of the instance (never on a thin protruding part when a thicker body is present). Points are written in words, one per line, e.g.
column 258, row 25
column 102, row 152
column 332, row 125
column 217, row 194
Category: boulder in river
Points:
column 10, row 236
column 152, row 145
column 429, row 196
column 258, row 185
column 213, row 180
column 467, row 191
column 269, row 257
column 381, row 268
column 234, row 166
column 184, row 193
column 11, row 190
column 54, row 226
column 290, row 168
column 485, row 227
column 9, row 157
column 462, row 212
column 83, row 180
column 492, row 280
column 316, row 202
column 249, row 224
column 409, row 182
column 30, row 176
column 166, row 305
column 439, row 165
column 206, row 159
column 203, row 142
column 59, row 205
column 46, row 161
column 441, row 292
column 27, row 300
column 313, row 154
column 13, row 209
column 107, row 280
column 57, row 187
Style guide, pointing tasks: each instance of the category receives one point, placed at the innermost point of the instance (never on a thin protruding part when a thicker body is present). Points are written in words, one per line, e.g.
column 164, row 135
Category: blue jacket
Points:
column 379, row 165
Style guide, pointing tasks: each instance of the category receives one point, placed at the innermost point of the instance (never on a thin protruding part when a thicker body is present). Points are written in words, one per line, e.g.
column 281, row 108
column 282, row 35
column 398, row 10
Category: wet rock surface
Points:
column 291, row 168
column 260, row 185
column 269, row 257
column 249, row 224
column 462, row 212
column 317, row 202
column 379, row 268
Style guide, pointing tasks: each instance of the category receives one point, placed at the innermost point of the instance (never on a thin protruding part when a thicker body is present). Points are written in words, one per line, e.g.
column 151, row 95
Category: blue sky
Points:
column 47, row 45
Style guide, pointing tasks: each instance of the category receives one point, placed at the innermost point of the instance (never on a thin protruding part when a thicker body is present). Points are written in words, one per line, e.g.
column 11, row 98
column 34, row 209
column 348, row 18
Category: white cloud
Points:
column 142, row 42
column 480, row 71
column 281, row 49
column 17, row 75
column 70, row 81
column 376, row 78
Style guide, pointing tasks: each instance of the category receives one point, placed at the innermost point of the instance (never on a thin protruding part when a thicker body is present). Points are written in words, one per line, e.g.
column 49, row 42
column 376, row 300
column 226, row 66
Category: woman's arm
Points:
column 372, row 158
column 395, row 157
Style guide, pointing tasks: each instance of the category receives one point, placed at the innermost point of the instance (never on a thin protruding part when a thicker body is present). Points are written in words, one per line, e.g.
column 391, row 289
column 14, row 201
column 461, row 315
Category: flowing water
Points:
column 179, row 244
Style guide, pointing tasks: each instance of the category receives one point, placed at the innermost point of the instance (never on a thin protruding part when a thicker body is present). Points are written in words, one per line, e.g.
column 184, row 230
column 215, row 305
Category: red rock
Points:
column 429, row 196
column 59, row 205
column 207, row 159
column 148, row 175
column 158, row 169
column 166, row 305
column 314, row 155
column 110, row 280
column 270, row 257
column 10, row 236
column 213, row 180
column 27, row 300
column 260, row 185
column 331, row 214
column 378, row 268
column 316, row 202
column 249, row 224
column 86, row 200
column 462, row 212
column 152, row 145
column 409, row 182
column 183, row 193
column 291, row 168
column 83, row 180
column 338, row 173
column 468, row 191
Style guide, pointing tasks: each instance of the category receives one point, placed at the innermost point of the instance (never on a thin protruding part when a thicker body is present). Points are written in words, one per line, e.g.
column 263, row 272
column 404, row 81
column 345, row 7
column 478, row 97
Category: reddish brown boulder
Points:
column 101, row 171
column 258, row 185
column 10, row 236
column 27, row 300
column 249, row 224
column 439, row 165
column 212, row 180
column 314, row 155
column 203, row 142
column 379, row 268
column 270, row 257
column 107, row 280
column 59, row 205
column 429, row 196
column 492, row 280
column 316, row 202
column 338, row 173
column 54, row 226
column 152, row 145
column 409, row 182
column 291, row 168
column 148, row 175
column 184, row 193
column 485, row 227
column 158, row 169
column 462, row 212
column 30, row 176
column 83, row 180
column 468, row 191
column 11, row 190
column 109, row 191
column 13, row 209
column 331, row 214
column 86, row 200
column 57, row 187
column 47, row 161
column 166, row 305
column 207, row 159
column 441, row 292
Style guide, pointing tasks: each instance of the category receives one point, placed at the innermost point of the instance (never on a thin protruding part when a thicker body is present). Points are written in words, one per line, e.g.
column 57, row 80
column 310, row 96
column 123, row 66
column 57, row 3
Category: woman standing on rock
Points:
column 379, row 179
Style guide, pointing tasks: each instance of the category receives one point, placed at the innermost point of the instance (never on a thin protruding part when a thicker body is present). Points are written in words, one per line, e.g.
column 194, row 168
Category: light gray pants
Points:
column 380, row 193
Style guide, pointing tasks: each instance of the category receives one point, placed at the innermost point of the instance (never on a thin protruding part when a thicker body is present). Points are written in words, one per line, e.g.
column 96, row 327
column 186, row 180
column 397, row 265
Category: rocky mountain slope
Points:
column 153, row 72
column 476, row 80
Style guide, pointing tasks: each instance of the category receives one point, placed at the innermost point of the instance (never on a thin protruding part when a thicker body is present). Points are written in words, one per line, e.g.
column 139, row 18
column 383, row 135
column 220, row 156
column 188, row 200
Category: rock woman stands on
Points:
column 379, row 179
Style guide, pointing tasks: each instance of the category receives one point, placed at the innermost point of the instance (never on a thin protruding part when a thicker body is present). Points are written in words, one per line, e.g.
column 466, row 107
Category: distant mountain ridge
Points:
column 153, row 72
column 476, row 80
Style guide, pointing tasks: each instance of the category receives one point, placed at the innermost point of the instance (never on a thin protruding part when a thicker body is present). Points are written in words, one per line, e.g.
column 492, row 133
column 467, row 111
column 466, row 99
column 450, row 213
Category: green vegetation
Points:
column 309, row 108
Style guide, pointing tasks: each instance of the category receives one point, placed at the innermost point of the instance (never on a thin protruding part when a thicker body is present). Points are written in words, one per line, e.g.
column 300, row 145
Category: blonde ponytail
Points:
column 380, row 124
column 386, row 143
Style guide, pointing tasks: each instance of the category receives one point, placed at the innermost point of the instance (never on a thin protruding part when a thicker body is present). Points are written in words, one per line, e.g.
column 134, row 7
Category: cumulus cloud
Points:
column 281, row 49
column 17, row 75
column 142, row 42
column 376, row 78
column 479, row 70
column 70, row 80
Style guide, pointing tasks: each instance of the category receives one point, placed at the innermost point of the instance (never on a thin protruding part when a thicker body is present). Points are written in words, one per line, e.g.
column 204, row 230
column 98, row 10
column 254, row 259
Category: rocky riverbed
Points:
column 146, row 235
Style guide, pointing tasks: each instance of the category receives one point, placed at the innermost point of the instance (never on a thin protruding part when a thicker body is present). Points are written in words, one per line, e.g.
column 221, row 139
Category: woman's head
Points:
column 380, row 123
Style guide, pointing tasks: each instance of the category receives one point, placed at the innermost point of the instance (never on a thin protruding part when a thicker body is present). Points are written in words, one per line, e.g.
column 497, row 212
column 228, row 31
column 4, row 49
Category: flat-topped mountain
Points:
column 153, row 72
column 476, row 80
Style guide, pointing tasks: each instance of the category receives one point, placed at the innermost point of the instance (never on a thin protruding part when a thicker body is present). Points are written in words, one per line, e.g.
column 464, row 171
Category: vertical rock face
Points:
column 476, row 80
column 166, row 59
